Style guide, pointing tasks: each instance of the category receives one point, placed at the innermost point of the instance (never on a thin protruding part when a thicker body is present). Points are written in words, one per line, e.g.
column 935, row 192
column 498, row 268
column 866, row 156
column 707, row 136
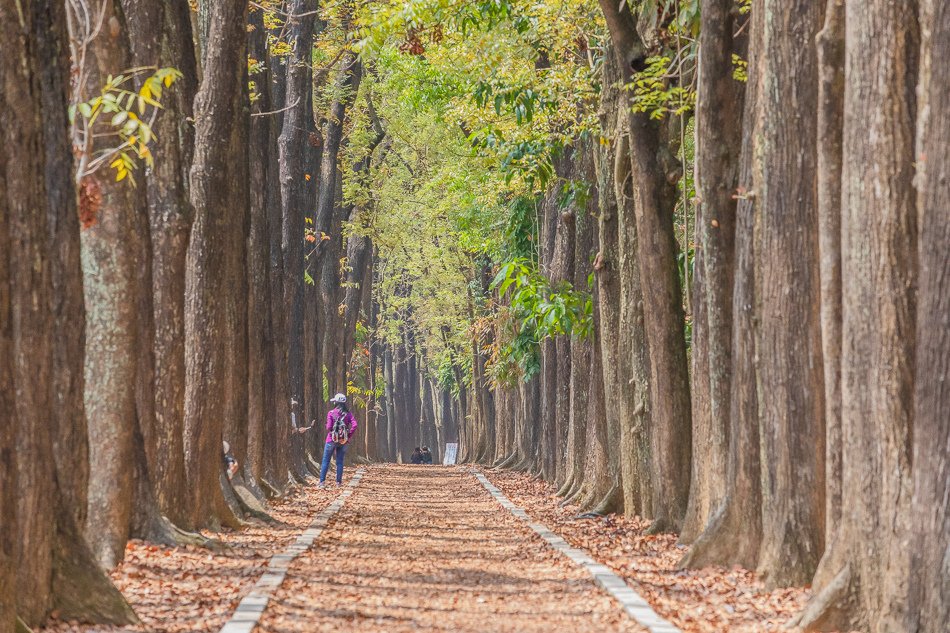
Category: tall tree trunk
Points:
column 608, row 296
column 44, row 561
column 218, row 167
column 635, row 422
column 929, row 599
column 25, row 212
column 110, row 268
column 734, row 531
column 296, row 197
column 162, row 37
column 9, row 527
column 277, row 430
column 787, row 297
column 562, row 270
column 546, row 434
column 653, row 169
column 867, row 587
column 830, row 44
column 718, row 148
column 260, row 391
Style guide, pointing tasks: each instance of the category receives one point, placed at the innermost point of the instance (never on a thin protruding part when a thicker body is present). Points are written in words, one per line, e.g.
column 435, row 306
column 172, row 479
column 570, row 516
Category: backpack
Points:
column 341, row 432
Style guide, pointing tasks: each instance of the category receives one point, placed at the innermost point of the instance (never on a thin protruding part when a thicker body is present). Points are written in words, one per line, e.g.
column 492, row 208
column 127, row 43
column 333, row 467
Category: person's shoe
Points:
column 321, row 485
column 339, row 484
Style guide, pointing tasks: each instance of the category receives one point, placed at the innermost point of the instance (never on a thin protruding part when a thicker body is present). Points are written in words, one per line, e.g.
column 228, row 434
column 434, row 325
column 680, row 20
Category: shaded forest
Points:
column 688, row 260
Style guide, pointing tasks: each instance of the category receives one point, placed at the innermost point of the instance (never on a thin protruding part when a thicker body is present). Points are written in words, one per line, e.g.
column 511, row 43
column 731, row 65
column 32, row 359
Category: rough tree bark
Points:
column 929, row 597
column 161, row 36
column 562, row 269
column 277, row 432
column 8, row 417
column 655, row 170
column 579, row 350
column 220, row 139
column 635, row 422
column 110, row 268
column 44, row 561
column 830, row 44
column 791, row 404
column 260, row 403
column 296, row 198
column 866, row 584
column 545, row 425
column 718, row 148
column 27, row 264
column 740, row 511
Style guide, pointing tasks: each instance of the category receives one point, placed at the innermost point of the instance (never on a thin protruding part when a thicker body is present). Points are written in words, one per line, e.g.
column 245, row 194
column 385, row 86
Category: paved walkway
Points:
column 426, row 548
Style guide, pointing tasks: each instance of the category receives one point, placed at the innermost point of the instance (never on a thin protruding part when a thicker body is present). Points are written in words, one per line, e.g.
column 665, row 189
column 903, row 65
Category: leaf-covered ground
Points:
column 191, row 589
column 425, row 548
column 707, row 600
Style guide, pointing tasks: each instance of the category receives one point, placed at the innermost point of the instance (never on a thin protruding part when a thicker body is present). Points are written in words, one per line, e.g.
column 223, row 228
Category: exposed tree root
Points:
column 611, row 502
column 567, row 488
column 313, row 466
column 81, row 590
column 272, row 491
column 505, row 461
column 581, row 492
column 830, row 609
column 250, row 504
column 234, row 511
column 661, row 525
column 723, row 542
column 299, row 474
column 253, row 487
column 525, row 465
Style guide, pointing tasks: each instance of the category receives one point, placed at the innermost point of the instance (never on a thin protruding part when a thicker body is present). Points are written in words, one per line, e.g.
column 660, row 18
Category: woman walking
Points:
column 341, row 425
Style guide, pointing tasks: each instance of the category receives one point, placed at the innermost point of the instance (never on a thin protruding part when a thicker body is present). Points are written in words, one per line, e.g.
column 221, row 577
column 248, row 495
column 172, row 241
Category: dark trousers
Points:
column 328, row 451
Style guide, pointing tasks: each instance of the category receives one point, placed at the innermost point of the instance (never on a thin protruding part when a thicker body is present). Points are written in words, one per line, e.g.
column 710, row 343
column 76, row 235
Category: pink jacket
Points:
column 349, row 418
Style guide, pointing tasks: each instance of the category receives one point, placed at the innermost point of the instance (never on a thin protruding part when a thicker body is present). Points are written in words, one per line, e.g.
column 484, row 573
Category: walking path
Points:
column 428, row 548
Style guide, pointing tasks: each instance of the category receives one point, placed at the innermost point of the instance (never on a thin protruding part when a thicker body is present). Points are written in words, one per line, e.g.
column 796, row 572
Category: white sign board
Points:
column 451, row 454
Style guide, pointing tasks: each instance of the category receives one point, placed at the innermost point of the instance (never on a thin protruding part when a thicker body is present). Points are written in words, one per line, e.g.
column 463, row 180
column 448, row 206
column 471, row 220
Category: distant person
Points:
column 416, row 456
column 426, row 455
column 230, row 462
column 341, row 425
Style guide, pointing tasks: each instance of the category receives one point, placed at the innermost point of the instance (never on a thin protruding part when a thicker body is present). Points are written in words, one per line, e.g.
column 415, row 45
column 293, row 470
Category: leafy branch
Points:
column 124, row 116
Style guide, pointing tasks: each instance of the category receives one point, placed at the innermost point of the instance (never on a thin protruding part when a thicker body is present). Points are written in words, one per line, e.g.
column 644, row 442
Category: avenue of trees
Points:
column 685, row 259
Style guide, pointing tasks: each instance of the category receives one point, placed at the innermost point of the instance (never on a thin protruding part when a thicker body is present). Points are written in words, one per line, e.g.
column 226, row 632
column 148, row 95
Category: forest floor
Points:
column 696, row 601
column 427, row 548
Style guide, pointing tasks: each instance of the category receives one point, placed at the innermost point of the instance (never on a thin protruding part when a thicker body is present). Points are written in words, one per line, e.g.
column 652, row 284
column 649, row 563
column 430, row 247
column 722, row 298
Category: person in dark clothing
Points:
column 426, row 455
column 416, row 456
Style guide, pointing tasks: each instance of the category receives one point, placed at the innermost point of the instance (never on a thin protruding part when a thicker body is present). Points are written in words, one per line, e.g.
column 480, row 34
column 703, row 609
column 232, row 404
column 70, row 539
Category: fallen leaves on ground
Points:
column 425, row 548
column 192, row 589
column 697, row 601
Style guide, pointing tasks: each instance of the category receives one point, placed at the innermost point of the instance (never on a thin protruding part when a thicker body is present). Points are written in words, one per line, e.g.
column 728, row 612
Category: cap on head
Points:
column 338, row 399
